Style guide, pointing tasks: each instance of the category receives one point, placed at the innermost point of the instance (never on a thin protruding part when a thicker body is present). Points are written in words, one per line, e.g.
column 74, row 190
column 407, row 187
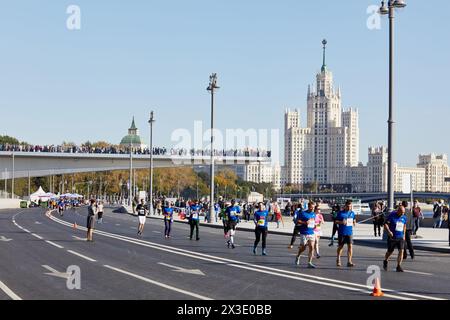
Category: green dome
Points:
column 132, row 139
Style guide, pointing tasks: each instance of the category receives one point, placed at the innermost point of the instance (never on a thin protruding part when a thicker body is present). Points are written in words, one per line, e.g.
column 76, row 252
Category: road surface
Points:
column 37, row 251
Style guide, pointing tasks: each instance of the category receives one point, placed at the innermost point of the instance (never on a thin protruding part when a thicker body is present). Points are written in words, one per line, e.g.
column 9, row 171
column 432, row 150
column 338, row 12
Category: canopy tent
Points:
column 35, row 197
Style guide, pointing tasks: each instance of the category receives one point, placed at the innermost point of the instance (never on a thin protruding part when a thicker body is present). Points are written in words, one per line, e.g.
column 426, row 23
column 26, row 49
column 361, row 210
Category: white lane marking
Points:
column 5, row 239
column 416, row 272
column 37, row 236
column 54, row 244
column 78, row 238
column 37, row 222
column 56, row 273
column 9, row 292
column 159, row 284
column 196, row 272
column 117, row 224
column 81, row 256
column 258, row 268
column 158, row 232
column 26, row 230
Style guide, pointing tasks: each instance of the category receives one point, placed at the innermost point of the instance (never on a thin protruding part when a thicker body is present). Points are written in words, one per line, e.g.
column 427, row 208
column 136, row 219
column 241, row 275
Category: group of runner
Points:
column 307, row 226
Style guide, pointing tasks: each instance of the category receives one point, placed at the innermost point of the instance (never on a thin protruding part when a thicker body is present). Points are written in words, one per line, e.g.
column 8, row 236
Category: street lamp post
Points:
column 130, row 193
column 13, row 174
column 151, row 121
column 390, row 10
column 211, row 88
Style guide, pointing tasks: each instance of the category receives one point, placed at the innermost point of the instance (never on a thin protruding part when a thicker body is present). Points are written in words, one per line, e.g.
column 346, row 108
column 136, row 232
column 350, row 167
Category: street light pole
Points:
column 390, row 10
column 13, row 174
column 211, row 88
column 130, row 193
column 151, row 121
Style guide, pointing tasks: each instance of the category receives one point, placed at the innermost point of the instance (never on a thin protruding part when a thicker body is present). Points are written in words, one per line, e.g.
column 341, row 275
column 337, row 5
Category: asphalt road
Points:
column 119, row 265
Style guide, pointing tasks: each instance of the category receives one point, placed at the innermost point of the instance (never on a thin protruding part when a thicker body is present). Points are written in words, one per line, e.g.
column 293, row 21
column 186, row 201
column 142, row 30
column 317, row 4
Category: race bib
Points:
column 232, row 213
column 261, row 222
column 400, row 227
column 349, row 222
column 142, row 212
column 311, row 224
column 195, row 216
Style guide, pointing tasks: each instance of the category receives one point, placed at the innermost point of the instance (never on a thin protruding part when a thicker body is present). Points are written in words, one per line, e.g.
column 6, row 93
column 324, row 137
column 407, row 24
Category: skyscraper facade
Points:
column 329, row 145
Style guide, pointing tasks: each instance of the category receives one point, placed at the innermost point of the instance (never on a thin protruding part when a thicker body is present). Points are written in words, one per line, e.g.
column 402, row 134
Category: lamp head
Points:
column 399, row 3
column 383, row 9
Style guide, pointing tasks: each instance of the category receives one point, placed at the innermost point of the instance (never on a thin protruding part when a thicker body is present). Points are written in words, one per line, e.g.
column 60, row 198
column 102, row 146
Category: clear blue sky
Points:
column 134, row 56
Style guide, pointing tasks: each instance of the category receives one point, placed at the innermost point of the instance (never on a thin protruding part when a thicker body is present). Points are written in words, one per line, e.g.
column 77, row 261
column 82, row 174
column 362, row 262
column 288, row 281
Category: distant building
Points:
column 133, row 139
column 328, row 147
column 436, row 171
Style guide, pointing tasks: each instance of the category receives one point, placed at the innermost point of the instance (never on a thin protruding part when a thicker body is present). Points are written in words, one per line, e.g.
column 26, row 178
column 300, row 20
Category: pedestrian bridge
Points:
column 37, row 164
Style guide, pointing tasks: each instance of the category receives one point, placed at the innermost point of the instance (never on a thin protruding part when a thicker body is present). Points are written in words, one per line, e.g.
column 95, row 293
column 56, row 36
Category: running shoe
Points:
column 350, row 265
column 400, row 269
column 338, row 263
column 385, row 265
column 264, row 252
column 297, row 261
column 311, row 266
column 254, row 251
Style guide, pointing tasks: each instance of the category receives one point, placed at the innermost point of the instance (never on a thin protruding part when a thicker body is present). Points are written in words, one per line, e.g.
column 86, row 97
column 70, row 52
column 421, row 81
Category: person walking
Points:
column 307, row 221
column 142, row 216
column 92, row 211
column 297, row 226
column 168, row 220
column 320, row 221
column 376, row 216
column 395, row 226
column 261, row 220
column 437, row 214
column 100, row 209
column 277, row 214
column 334, row 212
column 417, row 216
column 346, row 220
column 408, row 232
column 232, row 212
column 194, row 219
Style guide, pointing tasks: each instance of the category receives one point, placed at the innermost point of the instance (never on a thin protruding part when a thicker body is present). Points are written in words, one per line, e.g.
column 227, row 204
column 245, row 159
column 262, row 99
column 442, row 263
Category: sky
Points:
column 131, row 57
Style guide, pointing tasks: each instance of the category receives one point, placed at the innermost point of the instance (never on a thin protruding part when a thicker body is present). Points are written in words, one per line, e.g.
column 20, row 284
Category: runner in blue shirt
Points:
column 346, row 220
column 194, row 219
column 395, row 226
column 233, row 213
column 261, row 228
column 307, row 222
column 168, row 220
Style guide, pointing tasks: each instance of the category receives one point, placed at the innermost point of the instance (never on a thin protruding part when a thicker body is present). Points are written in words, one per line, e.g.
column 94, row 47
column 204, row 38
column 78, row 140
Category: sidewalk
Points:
column 428, row 239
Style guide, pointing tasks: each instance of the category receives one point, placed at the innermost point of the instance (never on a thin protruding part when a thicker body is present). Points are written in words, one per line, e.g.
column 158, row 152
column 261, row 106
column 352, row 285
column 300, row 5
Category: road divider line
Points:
column 54, row 244
column 258, row 268
column 81, row 256
column 9, row 292
column 159, row 284
column 37, row 236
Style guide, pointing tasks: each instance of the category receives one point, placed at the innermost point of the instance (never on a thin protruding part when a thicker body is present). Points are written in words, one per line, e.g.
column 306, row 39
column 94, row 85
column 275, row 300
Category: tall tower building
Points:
column 329, row 145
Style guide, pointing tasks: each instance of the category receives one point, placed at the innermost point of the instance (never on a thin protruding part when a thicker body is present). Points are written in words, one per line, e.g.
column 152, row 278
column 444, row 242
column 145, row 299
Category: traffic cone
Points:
column 377, row 292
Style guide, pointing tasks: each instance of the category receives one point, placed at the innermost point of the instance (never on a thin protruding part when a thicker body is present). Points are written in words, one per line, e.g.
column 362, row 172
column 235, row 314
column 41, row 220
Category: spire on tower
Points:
column 324, row 65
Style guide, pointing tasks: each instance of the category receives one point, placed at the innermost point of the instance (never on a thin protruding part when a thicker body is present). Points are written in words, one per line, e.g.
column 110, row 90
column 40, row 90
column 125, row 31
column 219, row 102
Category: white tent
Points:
column 35, row 197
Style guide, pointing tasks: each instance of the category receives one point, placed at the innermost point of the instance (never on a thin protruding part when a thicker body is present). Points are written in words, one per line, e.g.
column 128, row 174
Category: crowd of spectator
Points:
column 138, row 151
